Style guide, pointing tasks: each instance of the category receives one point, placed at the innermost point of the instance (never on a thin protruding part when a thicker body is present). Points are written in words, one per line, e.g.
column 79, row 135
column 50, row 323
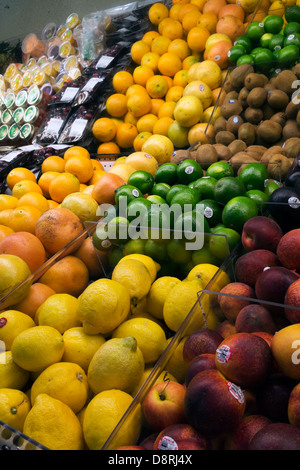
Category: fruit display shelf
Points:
column 10, row 439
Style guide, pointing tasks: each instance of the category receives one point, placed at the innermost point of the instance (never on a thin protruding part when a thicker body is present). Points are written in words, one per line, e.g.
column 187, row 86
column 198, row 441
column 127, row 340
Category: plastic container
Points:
column 48, row 32
column 33, row 46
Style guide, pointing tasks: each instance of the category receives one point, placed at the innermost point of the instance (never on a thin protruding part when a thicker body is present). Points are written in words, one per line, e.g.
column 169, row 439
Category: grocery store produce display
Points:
column 150, row 232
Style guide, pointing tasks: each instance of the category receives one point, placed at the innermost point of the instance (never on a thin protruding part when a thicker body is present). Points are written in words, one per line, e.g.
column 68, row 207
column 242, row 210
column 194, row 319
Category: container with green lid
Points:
column 31, row 114
column 9, row 100
column 18, row 115
column 3, row 132
column 7, row 117
column 27, row 131
column 21, row 98
column 34, row 95
column 14, row 133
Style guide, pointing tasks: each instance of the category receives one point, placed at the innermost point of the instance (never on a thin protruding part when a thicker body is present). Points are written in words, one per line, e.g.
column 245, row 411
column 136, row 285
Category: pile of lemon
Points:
column 69, row 372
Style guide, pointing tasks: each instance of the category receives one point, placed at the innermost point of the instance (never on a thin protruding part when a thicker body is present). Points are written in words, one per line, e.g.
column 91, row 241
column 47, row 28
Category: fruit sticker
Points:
column 189, row 170
column 223, row 354
column 167, row 443
column 294, row 202
column 236, row 391
column 135, row 193
column 3, row 322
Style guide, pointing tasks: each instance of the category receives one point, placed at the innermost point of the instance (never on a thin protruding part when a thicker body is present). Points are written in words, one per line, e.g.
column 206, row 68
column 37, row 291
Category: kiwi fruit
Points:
column 243, row 95
column 257, row 97
column 279, row 117
column 180, row 155
column 269, row 131
column 247, row 133
column 284, row 81
column 298, row 118
column 253, row 115
column 236, row 146
column 278, row 167
column 275, row 149
column 220, row 124
column 224, row 153
column 228, row 86
column 240, row 158
column 278, row 99
column 268, row 111
column 291, row 147
column 230, row 108
column 232, row 95
column 257, row 149
column 206, row 154
column 254, row 80
column 238, row 75
column 233, row 124
column 292, row 109
column 224, row 137
column 269, row 86
column 291, row 129
column 296, row 70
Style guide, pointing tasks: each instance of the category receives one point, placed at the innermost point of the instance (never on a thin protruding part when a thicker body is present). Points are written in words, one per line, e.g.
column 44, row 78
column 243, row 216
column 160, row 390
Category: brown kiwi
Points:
column 260, row 149
column 278, row 167
column 253, row 115
column 269, row 131
column 228, row 86
column 233, row 124
column 237, row 146
column 278, row 99
column 180, row 155
column 232, row 95
column 206, row 155
column 243, row 95
column 284, row 81
column 298, row 118
column 291, row 147
column 231, row 108
column 296, row 70
column 239, row 159
column 224, row 153
column 237, row 76
column 291, row 129
column 224, row 137
column 253, row 80
column 280, row 118
column 220, row 124
column 247, row 133
column 269, row 86
column 268, row 111
column 292, row 108
column 275, row 149
column 257, row 97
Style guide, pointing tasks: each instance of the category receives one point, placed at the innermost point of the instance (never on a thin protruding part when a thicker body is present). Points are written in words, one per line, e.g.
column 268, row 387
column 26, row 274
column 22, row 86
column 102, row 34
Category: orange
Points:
column 139, row 104
column 189, row 61
column 186, row 8
column 62, row 185
column 56, row 228
column 83, row 187
column 106, row 147
column 24, row 218
column 4, row 231
column 157, row 86
column 197, row 133
column 126, row 134
column 5, row 216
column 89, row 188
column 174, row 93
column 169, row 64
column 141, row 74
column 209, row 21
column 120, row 160
column 180, row 78
column 26, row 246
column 68, row 276
column 97, row 174
column 162, row 125
column 179, row 2
column 234, row 10
column 218, row 95
column 213, row 6
column 138, row 49
column 53, row 163
column 116, row 121
column 52, row 204
column 140, row 139
column 123, row 170
column 167, row 109
column 169, row 80
column 18, row 174
column 163, row 23
column 75, row 151
column 80, row 167
column 104, row 189
column 157, row 12
column 172, row 29
column 179, row 47
column 219, row 54
column 116, row 105
column 149, row 36
column 121, row 81
column 174, row 11
column 199, row 3
column 146, row 123
column 214, row 38
column 130, row 118
column 7, row 202
column 95, row 260
column 160, row 45
column 190, row 20
column 150, row 59
column 37, row 294
column 133, row 89
column 230, row 25
column 96, row 164
column 45, row 180
column 197, row 38
column 34, row 199
column 104, row 129
column 25, row 186
column 156, row 104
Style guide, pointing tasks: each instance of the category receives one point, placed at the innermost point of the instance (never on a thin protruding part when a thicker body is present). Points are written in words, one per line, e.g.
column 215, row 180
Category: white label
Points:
column 202, row 87
column 106, row 244
column 235, row 119
column 167, row 443
column 150, row 156
column 135, row 193
column 77, row 128
column 236, row 391
column 11, row 156
column 69, row 94
column 91, row 84
column 217, row 57
column 208, row 212
column 294, row 202
column 104, row 61
column 29, row 148
column 223, row 354
column 261, row 25
column 291, row 36
column 54, row 125
column 189, row 170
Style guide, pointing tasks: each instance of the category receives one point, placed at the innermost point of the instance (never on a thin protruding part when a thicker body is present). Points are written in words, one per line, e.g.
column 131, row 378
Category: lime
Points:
column 255, row 51
column 265, row 39
column 188, row 170
column 271, row 186
column 263, row 60
column 292, row 14
column 155, row 199
column 142, row 180
column 288, row 55
column 228, row 187
column 110, row 213
column 127, row 193
column 177, row 251
column 214, row 229
column 237, row 211
column 244, row 41
column 186, row 197
column 156, row 223
column 273, row 24
column 253, row 176
column 245, row 59
column 212, row 211
column 291, row 28
column 293, row 39
column 100, row 238
column 276, row 43
column 218, row 170
column 205, row 186
column 255, row 30
column 174, row 189
column 166, row 173
column 222, row 242
column 115, row 255
column 258, row 196
column 117, row 230
column 236, row 52
column 157, row 250
column 160, row 189
column 190, row 223
column 138, row 207
column 134, row 246
column 204, row 256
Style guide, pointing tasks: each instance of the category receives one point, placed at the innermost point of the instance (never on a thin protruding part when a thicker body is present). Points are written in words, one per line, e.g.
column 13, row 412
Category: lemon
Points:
column 163, row 376
column 206, row 71
column 176, row 365
column 14, row 407
column 150, row 337
column 102, row 415
column 158, row 293
column 13, row 271
column 247, row 5
column 12, row 322
column 80, row 347
column 82, row 204
column 182, row 300
column 142, row 161
column 53, row 424
column 11, row 375
column 152, row 266
column 204, row 272
column 134, row 276
column 117, row 364
column 160, row 147
column 36, row 348
column 64, row 381
column 102, row 306
column 59, row 311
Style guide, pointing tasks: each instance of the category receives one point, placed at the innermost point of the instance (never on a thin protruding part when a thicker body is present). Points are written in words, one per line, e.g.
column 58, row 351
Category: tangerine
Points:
column 174, row 93
column 104, row 129
column 141, row 74
column 24, row 218
column 116, row 105
column 19, row 174
column 186, row 8
column 80, row 167
column 149, row 36
column 157, row 12
column 172, row 29
column 75, row 151
column 209, row 21
column 4, row 231
column 62, row 185
column 25, row 186
column 190, row 20
column 121, row 81
column 25, row 245
column 150, row 59
column 130, row 118
column 106, row 148
column 45, row 180
column 140, row 139
column 157, row 86
column 169, row 64
column 138, row 49
column 160, row 45
column 126, row 133
column 53, row 163
column 162, row 125
column 197, row 38
column 146, row 123
column 139, row 104
column 156, row 103
column 179, row 47
column 34, row 199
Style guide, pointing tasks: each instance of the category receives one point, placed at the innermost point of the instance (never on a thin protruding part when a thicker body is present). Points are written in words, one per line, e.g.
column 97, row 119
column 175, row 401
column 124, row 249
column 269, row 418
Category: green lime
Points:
column 177, row 251
column 155, row 199
column 157, row 250
column 255, row 51
column 292, row 14
column 270, row 186
column 186, row 197
column 273, row 24
column 117, row 230
column 134, row 246
column 204, row 256
column 127, row 193
column 100, row 238
column 110, row 213
column 142, row 180
column 166, row 173
column 245, row 59
column 156, row 223
column 205, row 186
column 244, row 41
column 236, row 52
column 255, row 30
column 189, row 170
column 115, row 255
column 160, row 189
column 218, row 170
column 212, row 211
column 138, row 208
column 222, row 242
column 276, row 43
column 227, row 188
column 214, row 229
column 174, row 189
column 288, row 55
column 291, row 28
column 265, row 39
column 258, row 196
column 293, row 39
column 190, row 223
column 263, row 60
column 237, row 211
column 253, row 176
